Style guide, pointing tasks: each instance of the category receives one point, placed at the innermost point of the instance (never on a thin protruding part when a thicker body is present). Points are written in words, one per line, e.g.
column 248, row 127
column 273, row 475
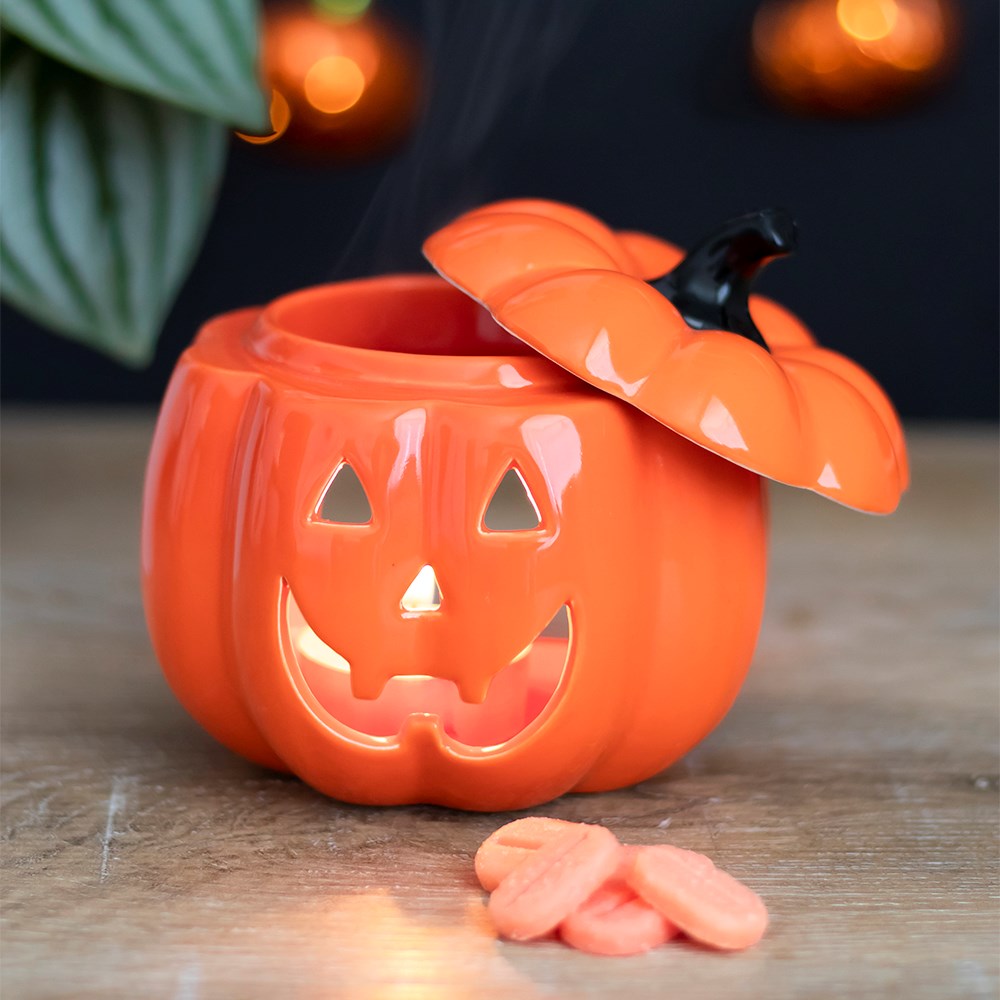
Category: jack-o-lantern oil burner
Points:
column 414, row 644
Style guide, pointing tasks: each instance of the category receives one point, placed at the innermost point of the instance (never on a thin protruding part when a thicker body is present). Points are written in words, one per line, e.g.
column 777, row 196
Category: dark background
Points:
column 642, row 112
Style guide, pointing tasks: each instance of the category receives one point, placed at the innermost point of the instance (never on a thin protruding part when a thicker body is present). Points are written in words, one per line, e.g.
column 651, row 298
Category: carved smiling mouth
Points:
column 519, row 696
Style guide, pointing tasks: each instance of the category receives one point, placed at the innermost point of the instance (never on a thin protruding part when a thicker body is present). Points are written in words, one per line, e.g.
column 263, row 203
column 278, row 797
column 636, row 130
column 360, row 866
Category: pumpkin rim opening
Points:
column 396, row 314
column 388, row 330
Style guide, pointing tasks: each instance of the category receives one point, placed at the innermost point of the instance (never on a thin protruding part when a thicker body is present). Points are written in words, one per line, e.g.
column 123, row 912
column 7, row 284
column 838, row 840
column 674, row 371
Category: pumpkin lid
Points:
column 680, row 337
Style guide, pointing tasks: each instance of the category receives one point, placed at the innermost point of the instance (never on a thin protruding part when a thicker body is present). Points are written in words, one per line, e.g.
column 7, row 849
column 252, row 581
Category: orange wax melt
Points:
column 608, row 898
column 706, row 903
column 615, row 920
column 554, row 881
column 507, row 847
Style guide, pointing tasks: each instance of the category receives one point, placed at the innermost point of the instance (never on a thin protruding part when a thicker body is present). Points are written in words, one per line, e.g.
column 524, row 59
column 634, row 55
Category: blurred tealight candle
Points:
column 344, row 81
column 851, row 57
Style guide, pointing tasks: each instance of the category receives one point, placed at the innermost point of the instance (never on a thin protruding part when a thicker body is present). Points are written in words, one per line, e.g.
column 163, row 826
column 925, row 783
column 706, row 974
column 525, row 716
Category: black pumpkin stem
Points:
column 710, row 287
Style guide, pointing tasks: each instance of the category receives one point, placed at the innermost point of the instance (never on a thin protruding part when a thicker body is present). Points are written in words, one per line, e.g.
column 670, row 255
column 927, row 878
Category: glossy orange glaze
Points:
column 656, row 546
column 565, row 284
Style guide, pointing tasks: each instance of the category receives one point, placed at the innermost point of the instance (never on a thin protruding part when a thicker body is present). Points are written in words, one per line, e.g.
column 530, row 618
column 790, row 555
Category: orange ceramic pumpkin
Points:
column 403, row 655
column 287, row 635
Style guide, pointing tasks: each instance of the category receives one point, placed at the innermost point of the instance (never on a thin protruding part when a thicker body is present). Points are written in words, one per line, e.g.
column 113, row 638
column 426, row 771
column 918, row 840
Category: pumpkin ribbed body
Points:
column 286, row 634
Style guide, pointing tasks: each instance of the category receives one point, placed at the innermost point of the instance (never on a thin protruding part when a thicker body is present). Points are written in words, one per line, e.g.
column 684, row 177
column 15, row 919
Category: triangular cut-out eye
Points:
column 512, row 508
column 345, row 501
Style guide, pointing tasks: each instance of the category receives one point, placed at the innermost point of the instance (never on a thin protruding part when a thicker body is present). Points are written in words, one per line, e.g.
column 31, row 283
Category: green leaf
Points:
column 199, row 54
column 104, row 202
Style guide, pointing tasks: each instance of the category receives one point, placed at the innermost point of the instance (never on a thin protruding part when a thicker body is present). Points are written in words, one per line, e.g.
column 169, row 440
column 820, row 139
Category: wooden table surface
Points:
column 853, row 785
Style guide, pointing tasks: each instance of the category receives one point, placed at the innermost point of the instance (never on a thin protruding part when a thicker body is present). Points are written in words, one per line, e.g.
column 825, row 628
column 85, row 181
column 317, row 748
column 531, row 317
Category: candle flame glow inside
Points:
column 423, row 594
column 309, row 644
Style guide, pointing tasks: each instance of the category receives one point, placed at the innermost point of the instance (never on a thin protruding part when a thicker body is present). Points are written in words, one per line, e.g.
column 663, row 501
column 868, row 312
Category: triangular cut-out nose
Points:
column 423, row 594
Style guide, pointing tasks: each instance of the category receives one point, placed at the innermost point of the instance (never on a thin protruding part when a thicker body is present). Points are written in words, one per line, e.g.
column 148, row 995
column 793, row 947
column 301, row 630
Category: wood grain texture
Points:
column 853, row 785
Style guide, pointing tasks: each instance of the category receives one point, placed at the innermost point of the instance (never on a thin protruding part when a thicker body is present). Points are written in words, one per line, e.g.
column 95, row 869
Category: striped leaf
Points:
column 104, row 202
column 199, row 54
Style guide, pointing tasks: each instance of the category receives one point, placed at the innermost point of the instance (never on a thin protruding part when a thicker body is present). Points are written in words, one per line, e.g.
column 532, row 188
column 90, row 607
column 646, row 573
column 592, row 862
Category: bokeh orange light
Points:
column 333, row 84
column 851, row 57
column 280, row 114
column 350, row 84
column 867, row 20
